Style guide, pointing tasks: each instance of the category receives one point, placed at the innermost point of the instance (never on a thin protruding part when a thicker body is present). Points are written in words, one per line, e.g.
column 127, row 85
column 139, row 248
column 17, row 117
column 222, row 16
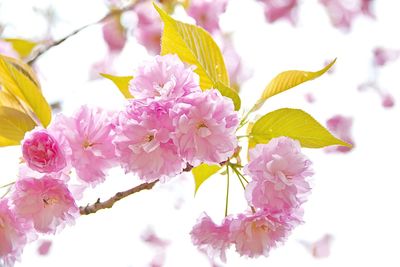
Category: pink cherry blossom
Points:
column 12, row 235
column 149, row 27
column 207, row 13
column 46, row 203
column 42, row 152
column 278, row 170
column 276, row 10
column 341, row 126
column 89, row 133
column 7, row 49
column 382, row 56
column 387, row 101
column 342, row 12
column 212, row 238
column 143, row 140
column 256, row 234
column 205, row 124
column 164, row 77
column 114, row 34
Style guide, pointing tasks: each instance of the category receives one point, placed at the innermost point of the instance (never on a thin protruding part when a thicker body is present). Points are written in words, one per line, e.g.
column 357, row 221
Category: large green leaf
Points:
column 13, row 126
column 202, row 172
column 289, row 79
column 19, row 79
column 293, row 123
column 122, row 82
column 228, row 92
column 194, row 46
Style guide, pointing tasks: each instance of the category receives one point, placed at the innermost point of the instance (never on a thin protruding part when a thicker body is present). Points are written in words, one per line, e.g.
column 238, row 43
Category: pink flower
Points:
column 256, row 234
column 164, row 77
column 12, row 235
column 278, row 170
column 42, row 152
column 276, row 10
column 114, row 34
column 143, row 140
column 207, row 12
column 342, row 13
column 149, row 28
column 205, row 125
column 208, row 236
column 45, row 202
column 382, row 56
column 387, row 101
column 89, row 133
column 7, row 49
column 341, row 126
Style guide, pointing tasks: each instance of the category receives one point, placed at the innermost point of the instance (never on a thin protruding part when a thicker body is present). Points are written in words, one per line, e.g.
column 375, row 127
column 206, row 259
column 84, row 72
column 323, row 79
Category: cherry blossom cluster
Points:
column 170, row 125
column 278, row 187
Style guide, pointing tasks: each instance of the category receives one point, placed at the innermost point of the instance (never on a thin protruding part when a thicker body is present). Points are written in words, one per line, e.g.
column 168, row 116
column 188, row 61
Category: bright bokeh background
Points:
column 355, row 196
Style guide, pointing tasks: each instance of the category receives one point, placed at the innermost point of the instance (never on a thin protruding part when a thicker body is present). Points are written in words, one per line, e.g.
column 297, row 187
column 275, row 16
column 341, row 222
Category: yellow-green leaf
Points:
column 13, row 126
column 23, row 47
column 194, row 46
column 122, row 82
column 228, row 92
column 293, row 123
column 9, row 100
column 289, row 79
column 202, row 172
column 19, row 79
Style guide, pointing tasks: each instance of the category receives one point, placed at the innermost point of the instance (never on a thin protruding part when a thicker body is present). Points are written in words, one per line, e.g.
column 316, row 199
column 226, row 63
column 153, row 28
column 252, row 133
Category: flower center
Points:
column 49, row 201
column 149, row 138
column 87, row 144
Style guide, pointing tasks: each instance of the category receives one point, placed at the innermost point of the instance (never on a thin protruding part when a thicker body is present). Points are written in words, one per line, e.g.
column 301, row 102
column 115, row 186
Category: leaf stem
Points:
column 227, row 190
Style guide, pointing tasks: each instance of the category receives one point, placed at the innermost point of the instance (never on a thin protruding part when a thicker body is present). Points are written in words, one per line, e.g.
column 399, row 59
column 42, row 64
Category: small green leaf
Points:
column 194, row 46
column 19, row 79
column 122, row 82
column 13, row 126
column 288, row 79
column 293, row 123
column 228, row 92
column 202, row 172
column 23, row 47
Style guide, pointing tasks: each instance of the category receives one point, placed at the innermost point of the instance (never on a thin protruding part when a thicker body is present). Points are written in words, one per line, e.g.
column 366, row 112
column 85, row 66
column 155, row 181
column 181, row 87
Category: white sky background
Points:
column 355, row 196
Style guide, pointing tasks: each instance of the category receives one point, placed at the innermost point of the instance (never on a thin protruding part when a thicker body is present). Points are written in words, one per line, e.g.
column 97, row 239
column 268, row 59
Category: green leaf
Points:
column 202, row 172
column 194, row 46
column 13, row 126
column 19, row 79
column 228, row 92
column 23, row 47
column 287, row 80
column 122, row 82
column 293, row 123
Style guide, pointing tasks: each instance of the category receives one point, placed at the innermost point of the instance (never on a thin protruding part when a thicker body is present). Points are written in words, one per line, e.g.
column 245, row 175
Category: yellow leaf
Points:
column 228, row 92
column 288, row 79
column 13, row 126
column 202, row 172
column 9, row 100
column 293, row 123
column 122, row 82
column 19, row 79
column 23, row 47
column 194, row 46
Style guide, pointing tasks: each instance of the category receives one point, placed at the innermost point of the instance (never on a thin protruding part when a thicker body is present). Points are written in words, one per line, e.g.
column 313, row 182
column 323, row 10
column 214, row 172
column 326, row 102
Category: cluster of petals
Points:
column 149, row 27
column 207, row 13
column 342, row 12
column 341, row 127
column 276, row 10
column 278, row 171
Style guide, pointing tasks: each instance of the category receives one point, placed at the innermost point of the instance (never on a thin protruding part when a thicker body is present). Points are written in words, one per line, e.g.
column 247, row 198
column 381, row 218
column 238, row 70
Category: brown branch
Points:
column 89, row 209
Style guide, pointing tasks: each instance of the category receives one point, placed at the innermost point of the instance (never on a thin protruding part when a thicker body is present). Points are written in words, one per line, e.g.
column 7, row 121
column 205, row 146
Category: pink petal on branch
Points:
column 382, row 56
column 387, row 101
column 276, row 10
column 149, row 27
column 114, row 34
column 207, row 13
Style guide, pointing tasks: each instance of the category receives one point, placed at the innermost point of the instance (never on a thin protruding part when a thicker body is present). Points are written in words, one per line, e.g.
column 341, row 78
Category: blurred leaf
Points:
column 288, row 79
column 228, row 92
column 20, row 81
column 122, row 82
column 202, row 172
column 10, row 101
column 23, row 47
column 293, row 123
column 13, row 126
column 194, row 46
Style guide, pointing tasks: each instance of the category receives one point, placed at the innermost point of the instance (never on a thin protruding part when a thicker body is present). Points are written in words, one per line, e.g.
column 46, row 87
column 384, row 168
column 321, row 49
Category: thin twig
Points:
column 89, row 209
